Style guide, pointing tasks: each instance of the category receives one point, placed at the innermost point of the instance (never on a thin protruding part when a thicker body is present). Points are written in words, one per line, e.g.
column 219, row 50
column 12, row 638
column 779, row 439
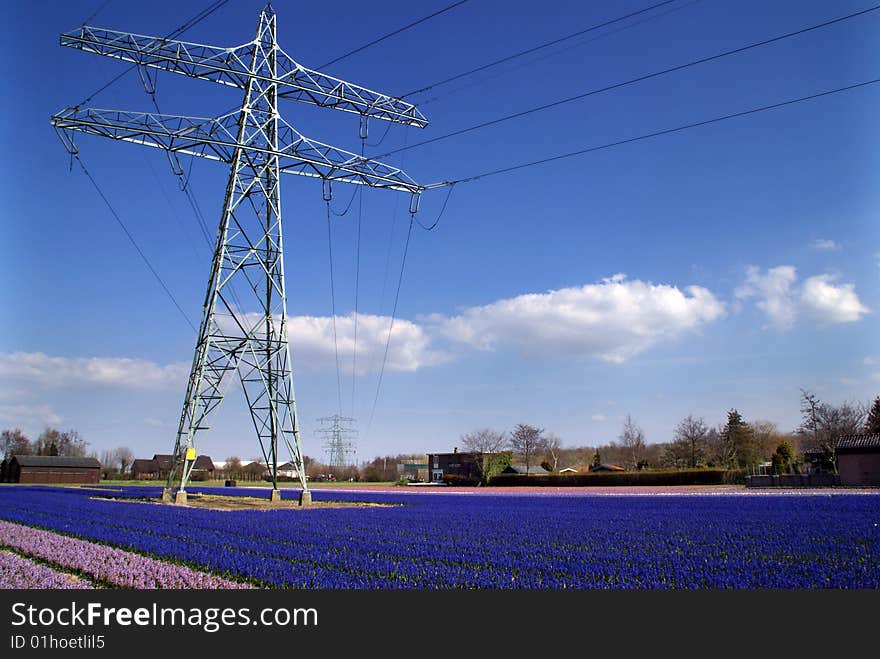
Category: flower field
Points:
column 434, row 540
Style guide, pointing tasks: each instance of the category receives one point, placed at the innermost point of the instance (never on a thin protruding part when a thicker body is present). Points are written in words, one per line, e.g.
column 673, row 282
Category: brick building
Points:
column 52, row 469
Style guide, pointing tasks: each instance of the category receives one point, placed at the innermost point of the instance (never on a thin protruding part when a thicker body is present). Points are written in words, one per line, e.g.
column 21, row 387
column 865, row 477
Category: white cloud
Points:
column 825, row 244
column 613, row 320
column 773, row 291
column 599, row 417
column 32, row 416
column 104, row 371
column 818, row 299
column 311, row 341
column 870, row 360
column 826, row 303
column 849, row 381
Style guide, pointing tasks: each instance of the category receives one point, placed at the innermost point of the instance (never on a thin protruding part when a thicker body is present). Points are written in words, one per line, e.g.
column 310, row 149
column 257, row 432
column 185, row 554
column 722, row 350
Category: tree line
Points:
column 733, row 444
column 736, row 443
column 65, row 443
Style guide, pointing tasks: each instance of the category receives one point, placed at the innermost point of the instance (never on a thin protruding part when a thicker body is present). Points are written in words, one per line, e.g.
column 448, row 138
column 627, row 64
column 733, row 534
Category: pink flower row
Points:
column 19, row 572
column 115, row 566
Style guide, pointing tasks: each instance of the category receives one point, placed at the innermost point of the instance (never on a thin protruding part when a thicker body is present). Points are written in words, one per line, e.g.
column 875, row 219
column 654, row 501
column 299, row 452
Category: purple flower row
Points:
column 115, row 566
column 19, row 572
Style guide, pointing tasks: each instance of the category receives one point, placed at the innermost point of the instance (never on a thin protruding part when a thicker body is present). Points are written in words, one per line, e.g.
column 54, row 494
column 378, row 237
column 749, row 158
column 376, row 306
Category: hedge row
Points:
column 626, row 478
column 455, row 479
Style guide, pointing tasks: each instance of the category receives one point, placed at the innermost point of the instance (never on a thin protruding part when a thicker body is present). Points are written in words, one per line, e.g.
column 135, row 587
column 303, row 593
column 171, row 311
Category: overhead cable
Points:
column 631, row 81
column 658, row 133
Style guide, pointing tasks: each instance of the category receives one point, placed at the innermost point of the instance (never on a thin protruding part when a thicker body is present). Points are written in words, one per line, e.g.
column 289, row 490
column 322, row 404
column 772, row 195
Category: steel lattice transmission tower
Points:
column 338, row 440
column 249, row 335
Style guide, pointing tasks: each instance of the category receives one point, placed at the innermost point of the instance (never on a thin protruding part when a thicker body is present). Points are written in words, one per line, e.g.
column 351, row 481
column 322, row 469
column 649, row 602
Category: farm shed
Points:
column 205, row 465
column 53, row 469
column 144, row 470
column 858, row 459
column 163, row 464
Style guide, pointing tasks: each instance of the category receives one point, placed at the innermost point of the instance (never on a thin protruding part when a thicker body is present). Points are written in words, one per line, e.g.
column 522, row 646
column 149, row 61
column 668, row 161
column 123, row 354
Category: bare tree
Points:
column 553, row 447
column 632, row 439
column 691, row 433
column 526, row 441
column 767, row 438
column 487, row 445
column 108, row 464
column 123, row 457
column 824, row 424
column 68, row 443
column 14, row 442
column 232, row 467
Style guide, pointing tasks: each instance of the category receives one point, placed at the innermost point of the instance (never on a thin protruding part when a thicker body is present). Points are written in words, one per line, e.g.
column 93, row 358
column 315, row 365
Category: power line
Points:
column 631, row 81
column 667, row 131
column 528, row 51
column 100, row 8
column 388, row 249
column 192, row 22
column 442, row 210
column 482, row 81
column 333, row 310
column 391, row 325
column 391, row 34
column 357, row 283
column 134, row 243
column 348, row 206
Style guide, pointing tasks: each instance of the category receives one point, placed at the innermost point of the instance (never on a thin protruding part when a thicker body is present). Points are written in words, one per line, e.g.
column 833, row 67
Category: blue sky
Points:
column 725, row 266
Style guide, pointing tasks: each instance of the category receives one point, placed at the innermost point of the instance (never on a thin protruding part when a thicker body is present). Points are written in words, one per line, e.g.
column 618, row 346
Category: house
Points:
column 144, row 470
column 521, row 469
column 858, row 459
column 163, row 464
column 413, row 471
column 288, row 470
column 52, row 469
column 453, row 464
column 568, row 470
column 158, row 467
column 604, row 468
column 204, row 466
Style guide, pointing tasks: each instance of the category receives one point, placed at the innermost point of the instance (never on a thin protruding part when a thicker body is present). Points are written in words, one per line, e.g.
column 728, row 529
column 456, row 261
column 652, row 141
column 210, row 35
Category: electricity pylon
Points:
column 259, row 146
column 338, row 442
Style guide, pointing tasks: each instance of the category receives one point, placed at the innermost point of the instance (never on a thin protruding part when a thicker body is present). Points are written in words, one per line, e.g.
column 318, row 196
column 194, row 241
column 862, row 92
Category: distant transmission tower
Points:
column 338, row 443
column 245, row 333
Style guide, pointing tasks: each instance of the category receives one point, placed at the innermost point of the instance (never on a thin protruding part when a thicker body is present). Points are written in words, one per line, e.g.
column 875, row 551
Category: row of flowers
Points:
column 20, row 572
column 110, row 565
column 461, row 541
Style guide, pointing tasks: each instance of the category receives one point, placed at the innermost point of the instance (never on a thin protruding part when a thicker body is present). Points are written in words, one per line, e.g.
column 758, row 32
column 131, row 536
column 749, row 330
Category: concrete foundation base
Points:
column 275, row 496
column 180, row 499
column 166, row 495
column 305, row 498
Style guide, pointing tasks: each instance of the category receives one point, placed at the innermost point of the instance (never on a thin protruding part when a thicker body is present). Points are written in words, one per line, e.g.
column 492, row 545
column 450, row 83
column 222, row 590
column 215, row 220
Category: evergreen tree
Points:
column 872, row 425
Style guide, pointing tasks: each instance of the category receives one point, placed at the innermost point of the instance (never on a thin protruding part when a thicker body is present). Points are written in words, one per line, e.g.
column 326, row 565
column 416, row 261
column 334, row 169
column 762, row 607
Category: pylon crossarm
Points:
column 216, row 139
column 230, row 66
